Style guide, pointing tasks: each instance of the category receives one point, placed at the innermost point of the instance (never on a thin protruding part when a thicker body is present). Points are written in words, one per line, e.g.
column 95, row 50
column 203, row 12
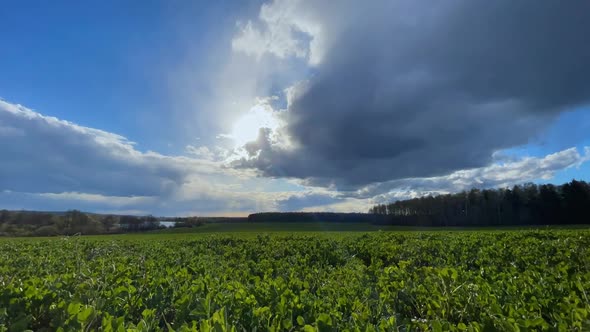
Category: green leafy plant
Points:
column 535, row 280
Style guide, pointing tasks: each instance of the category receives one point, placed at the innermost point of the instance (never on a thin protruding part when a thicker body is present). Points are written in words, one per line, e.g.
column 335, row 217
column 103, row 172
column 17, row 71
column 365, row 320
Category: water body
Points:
column 167, row 224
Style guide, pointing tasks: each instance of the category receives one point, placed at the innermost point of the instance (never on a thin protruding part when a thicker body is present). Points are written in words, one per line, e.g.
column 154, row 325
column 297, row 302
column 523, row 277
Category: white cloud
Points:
column 113, row 201
column 252, row 41
column 526, row 169
column 284, row 29
column 201, row 152
column 496, row 175
column 53, row 155
column 246, row 128
column 52, row 164
column 346, row 205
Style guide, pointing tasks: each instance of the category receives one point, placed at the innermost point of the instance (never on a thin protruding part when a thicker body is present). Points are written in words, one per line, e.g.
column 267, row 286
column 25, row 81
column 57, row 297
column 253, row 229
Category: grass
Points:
column 258, row 227
column 279, row 227
column 245, row 229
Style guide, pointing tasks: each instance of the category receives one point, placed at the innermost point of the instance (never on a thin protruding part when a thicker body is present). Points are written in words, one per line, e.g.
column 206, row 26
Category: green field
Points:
column 245, row 280
column 245, row 227
column 297, row 227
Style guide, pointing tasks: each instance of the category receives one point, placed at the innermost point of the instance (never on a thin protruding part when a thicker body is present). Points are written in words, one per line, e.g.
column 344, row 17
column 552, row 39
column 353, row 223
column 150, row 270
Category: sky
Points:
column 231, row 107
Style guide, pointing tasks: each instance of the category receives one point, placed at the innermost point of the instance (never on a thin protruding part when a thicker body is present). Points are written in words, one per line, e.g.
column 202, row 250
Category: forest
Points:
column 528, row 204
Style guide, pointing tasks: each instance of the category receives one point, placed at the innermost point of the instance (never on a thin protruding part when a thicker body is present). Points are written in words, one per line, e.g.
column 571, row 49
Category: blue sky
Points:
column 232, row 107
column 106, row 65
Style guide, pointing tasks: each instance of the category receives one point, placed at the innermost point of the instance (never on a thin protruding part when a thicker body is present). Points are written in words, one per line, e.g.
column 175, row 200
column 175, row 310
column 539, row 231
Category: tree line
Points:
column 35, row 223
column 286, row 217
column 527, row 204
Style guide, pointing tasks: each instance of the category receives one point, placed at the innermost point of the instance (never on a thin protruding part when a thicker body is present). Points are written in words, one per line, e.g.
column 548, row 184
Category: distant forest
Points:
column 287, row 217
column 527, row 204
column 73, row 222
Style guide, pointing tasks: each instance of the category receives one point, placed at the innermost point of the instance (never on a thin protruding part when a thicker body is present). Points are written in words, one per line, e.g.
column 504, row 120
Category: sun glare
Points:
column 246, row 128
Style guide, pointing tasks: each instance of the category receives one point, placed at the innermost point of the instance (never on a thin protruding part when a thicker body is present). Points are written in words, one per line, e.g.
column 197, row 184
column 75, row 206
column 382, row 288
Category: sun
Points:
column 246, row 128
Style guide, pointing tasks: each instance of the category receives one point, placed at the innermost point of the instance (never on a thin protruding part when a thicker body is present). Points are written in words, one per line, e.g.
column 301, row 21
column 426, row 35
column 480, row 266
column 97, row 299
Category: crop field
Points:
column 510, row 280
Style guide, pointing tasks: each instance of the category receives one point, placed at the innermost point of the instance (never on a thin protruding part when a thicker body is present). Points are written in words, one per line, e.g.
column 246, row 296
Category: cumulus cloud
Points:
column 405, row 89
column 496, row 175
column 285, row 29
column 201, row 152
column 52, row 164
column 71, row 200
column 99, row 199
column 46, row 154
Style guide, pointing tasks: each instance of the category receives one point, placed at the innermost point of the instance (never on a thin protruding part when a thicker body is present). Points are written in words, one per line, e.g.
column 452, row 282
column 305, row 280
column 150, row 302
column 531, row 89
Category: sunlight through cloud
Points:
column 246, row 128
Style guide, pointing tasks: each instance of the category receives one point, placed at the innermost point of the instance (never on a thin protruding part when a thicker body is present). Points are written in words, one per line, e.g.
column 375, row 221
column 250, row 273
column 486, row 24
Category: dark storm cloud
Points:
column 409, row 89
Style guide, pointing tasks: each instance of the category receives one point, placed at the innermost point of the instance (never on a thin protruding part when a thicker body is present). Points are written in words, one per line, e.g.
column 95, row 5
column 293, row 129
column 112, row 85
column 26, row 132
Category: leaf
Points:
column 300, row 321
column 309, row 328
column 147, row 313
column 539, row 321
column 436, row 326
column 74, row 308
column 85, row 315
